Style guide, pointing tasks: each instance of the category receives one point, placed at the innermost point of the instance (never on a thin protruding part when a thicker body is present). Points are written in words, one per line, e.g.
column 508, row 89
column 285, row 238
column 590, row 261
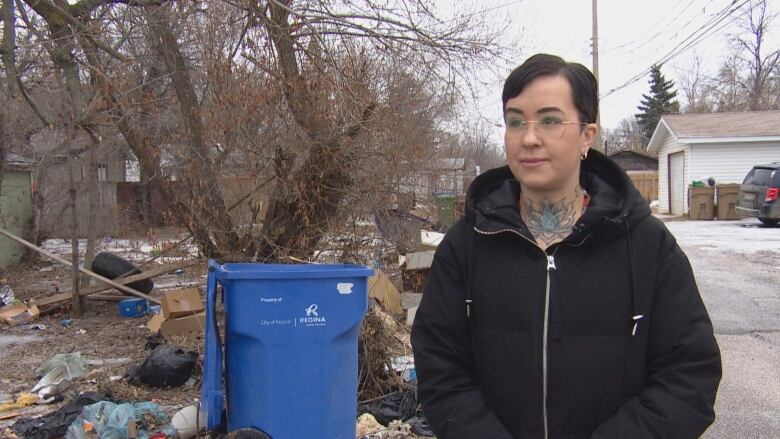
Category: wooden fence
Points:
column 646, row 182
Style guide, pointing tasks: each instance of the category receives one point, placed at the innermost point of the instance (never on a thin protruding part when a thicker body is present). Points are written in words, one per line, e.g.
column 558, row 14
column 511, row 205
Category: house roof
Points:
column 632, row 152
column 743, row 126
column 19, row 161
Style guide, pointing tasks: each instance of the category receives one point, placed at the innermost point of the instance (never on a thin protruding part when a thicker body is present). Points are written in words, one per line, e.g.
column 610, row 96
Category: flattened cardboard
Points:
column 19, row 313
column 181, row 326
column 182, row 303
column 381, row 289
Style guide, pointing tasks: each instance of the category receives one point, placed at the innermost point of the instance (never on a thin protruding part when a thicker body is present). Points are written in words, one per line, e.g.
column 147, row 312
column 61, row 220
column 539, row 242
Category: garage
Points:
column 721, row 146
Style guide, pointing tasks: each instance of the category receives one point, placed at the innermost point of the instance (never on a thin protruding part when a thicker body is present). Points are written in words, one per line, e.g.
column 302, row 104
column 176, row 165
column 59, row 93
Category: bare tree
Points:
column 696, row 86
column 626, row 136
column 298, row 94
column 760, row 65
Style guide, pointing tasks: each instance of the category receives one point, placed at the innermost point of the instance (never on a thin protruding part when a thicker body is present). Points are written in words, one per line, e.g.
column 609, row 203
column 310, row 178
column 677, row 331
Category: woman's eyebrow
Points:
column 539, row 111
column 550, row 110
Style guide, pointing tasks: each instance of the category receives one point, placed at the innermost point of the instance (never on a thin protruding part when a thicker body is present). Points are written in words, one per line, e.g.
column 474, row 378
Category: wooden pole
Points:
column 116, row 285
column 595, row 10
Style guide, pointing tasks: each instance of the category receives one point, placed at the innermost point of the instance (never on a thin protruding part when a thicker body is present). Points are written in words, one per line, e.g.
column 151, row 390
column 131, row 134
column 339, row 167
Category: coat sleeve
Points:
column 451, row 400
column 682, row 361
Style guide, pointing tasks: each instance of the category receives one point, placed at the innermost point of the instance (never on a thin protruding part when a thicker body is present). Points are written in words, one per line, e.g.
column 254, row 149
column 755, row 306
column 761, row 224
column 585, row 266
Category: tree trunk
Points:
column 93, row 189
column 9, row 47
column 74, row 217
column 214, row 226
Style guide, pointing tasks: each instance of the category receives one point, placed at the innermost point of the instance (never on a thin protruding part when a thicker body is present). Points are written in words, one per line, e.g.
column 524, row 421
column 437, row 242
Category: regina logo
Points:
column 313, row 317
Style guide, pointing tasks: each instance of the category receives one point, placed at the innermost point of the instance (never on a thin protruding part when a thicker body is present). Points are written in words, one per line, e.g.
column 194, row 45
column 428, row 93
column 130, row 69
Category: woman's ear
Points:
column 591, row 134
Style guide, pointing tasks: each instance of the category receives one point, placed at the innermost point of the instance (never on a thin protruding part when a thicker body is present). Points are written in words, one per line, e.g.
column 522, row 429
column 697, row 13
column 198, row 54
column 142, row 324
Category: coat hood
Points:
column 614, row 201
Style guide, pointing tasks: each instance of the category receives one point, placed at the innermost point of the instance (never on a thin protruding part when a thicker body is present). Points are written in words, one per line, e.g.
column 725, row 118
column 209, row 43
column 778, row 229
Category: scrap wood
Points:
column 89, row 273
column 63, row 297
column 162, row 253
column 10, row 416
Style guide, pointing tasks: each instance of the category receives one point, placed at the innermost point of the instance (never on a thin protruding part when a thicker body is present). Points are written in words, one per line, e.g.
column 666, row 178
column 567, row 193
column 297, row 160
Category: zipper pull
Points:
column 636, row 320
column 550, row 262
column 468, row 308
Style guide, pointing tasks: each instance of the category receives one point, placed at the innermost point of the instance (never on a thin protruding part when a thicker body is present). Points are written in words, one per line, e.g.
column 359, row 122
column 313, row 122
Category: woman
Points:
column 558, row 307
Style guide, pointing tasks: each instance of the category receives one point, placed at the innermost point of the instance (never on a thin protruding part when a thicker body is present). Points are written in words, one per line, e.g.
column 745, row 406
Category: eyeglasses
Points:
column 548, row 127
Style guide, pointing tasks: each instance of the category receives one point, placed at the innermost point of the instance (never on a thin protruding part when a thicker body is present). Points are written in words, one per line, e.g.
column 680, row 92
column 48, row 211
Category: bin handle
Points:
column 211, row 389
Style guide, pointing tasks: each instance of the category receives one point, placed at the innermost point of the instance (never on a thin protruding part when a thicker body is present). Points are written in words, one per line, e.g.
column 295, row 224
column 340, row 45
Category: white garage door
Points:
column 676, row 182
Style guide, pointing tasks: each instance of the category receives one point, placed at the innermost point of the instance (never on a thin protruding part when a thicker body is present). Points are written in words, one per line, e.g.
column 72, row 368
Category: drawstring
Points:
column 636, row 317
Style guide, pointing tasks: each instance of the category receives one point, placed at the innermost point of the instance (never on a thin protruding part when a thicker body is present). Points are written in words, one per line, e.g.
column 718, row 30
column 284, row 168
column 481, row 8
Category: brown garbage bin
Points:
column 727, row 195
column 701, row 203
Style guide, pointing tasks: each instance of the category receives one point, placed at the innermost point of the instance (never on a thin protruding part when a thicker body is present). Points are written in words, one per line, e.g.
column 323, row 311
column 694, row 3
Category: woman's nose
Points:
column 530, row 136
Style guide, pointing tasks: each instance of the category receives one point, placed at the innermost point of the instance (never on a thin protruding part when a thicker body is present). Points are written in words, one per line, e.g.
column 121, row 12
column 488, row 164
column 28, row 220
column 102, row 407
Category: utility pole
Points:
column 595, row 47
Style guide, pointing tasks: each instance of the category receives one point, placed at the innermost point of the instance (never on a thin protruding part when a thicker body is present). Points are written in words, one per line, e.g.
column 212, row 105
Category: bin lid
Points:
column 291, row 271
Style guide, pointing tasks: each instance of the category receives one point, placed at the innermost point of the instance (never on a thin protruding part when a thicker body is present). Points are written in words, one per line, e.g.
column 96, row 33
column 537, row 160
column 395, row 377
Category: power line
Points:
column 695, row 38
column 631, row 46
column 639, row 42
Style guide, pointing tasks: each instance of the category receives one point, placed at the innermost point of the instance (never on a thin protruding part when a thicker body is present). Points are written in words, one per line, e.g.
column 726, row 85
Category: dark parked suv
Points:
column 759, row 195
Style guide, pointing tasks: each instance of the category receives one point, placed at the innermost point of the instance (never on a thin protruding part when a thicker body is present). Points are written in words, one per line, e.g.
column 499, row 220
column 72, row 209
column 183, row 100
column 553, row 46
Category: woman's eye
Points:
column 550, row 121
column 515, row 123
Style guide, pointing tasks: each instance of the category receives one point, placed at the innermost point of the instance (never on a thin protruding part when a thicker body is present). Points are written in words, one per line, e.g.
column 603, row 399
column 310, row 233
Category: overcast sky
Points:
column 633, row 34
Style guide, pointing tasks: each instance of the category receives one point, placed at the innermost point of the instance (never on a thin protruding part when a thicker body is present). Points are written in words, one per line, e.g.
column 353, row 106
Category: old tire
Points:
column 112, row 266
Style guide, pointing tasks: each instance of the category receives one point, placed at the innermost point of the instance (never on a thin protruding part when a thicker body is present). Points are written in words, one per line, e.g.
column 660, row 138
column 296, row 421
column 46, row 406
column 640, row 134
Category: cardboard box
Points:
column 381, row 289
column 19, row 313
column 182, row 303
column 182, row 326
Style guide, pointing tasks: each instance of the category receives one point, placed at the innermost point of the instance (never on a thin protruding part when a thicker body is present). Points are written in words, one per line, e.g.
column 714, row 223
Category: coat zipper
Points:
column 546, row 324
column 545, row 330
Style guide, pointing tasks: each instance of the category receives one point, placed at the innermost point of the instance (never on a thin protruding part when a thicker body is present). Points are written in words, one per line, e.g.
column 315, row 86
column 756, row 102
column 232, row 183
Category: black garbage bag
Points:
column 400, row 405
column 55, row 424
column 153, row 341
column 420, row 426
column 166, row 366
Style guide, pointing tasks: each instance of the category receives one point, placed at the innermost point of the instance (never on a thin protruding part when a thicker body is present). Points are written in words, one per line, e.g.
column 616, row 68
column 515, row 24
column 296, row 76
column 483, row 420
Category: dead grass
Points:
column 379, row 343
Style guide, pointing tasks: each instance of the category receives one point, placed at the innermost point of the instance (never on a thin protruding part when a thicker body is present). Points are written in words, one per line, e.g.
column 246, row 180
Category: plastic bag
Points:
column 110, row 421
column 166, row 366
column 420, row 426
column 6, row 295
column 58, row 372
column 55, row 424
column 394, row 406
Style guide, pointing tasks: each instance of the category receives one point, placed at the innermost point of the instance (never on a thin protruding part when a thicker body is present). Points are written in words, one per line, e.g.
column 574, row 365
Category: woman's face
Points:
column 544, row 156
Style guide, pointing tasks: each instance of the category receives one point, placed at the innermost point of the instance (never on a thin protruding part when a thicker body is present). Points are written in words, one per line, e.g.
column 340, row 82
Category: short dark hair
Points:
column 584, row 88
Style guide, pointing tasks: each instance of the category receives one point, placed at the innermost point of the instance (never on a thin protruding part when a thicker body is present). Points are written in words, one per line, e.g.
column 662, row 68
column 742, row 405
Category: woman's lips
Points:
column 531, row 163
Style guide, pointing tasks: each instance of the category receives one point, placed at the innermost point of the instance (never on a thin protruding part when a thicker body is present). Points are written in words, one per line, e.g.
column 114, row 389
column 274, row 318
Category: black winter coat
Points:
column 603, row 335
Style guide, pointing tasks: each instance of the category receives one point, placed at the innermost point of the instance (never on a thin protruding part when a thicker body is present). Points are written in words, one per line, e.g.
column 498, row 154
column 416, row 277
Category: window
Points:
column 759, row 177
column 102, row 171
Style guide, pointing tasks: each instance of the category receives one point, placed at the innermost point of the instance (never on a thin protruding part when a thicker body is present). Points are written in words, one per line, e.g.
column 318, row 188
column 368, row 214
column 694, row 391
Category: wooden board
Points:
column 62, row 297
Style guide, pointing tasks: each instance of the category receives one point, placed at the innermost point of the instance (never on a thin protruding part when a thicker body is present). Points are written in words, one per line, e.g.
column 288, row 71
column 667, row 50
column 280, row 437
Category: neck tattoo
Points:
column 550, row 221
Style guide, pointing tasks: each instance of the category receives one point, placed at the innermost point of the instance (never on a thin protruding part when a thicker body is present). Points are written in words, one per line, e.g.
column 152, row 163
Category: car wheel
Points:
column 112, row 266
column 769, row 221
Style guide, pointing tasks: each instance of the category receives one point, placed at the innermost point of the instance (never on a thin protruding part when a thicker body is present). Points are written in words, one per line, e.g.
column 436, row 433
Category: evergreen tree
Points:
column 660, row 101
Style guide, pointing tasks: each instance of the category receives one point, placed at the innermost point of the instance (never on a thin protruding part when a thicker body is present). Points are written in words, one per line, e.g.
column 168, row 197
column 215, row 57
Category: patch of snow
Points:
column 135, row 250
column 744, row 236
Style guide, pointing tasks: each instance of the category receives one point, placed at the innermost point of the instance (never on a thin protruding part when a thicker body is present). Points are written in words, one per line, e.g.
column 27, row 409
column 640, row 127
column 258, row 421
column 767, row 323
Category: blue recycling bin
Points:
column 291, row 339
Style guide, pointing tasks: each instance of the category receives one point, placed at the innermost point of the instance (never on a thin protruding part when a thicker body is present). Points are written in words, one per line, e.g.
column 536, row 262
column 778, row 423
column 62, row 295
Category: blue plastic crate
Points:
column 135, row 307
